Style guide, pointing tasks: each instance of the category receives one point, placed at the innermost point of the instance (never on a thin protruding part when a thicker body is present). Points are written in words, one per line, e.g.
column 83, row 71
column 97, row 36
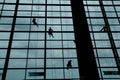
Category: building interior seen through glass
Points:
column 37, row 39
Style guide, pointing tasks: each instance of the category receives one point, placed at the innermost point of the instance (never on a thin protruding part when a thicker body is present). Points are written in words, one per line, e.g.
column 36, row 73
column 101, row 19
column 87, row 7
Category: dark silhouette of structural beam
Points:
column 10, row 43
column 86, row 59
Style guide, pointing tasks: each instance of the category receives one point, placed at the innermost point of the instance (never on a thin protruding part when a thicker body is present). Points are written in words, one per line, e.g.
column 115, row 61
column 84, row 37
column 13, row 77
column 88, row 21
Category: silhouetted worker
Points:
column 104, row 29
column 69, row 65
column 34, row 22
column 50, row 32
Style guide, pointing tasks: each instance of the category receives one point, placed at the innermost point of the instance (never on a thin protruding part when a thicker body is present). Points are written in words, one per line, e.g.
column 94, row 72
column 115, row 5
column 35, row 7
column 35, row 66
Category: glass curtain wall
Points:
column 43, row 40
column 104, row 25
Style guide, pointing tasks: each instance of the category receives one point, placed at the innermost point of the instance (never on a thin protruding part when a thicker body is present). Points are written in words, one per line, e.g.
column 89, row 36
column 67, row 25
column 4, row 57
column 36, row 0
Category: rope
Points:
column 62, row 40
column 52, row 62
column 28, row 44
column 36, row 52
column 94, row 40
column 37, row 45
column 2, row 8
column 116, row 11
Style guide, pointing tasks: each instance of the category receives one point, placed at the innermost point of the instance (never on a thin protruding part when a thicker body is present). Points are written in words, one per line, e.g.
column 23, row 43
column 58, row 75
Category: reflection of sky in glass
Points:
column 59, row 49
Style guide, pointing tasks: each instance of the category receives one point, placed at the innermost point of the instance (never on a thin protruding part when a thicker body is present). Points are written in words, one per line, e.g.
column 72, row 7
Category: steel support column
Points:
column 111, row 39
column 10, row 42
column 86, row 58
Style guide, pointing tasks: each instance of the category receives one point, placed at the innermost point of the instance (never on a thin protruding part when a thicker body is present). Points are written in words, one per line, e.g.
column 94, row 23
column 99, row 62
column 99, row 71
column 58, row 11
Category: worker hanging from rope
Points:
column 104, row 29
column 50, row 32
column 69, row 64
column 34, row 22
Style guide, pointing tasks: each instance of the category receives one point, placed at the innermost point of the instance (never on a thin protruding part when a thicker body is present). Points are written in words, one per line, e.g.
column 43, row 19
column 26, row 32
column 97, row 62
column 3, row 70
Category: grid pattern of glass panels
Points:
column 105, row 43
column 32, row 48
